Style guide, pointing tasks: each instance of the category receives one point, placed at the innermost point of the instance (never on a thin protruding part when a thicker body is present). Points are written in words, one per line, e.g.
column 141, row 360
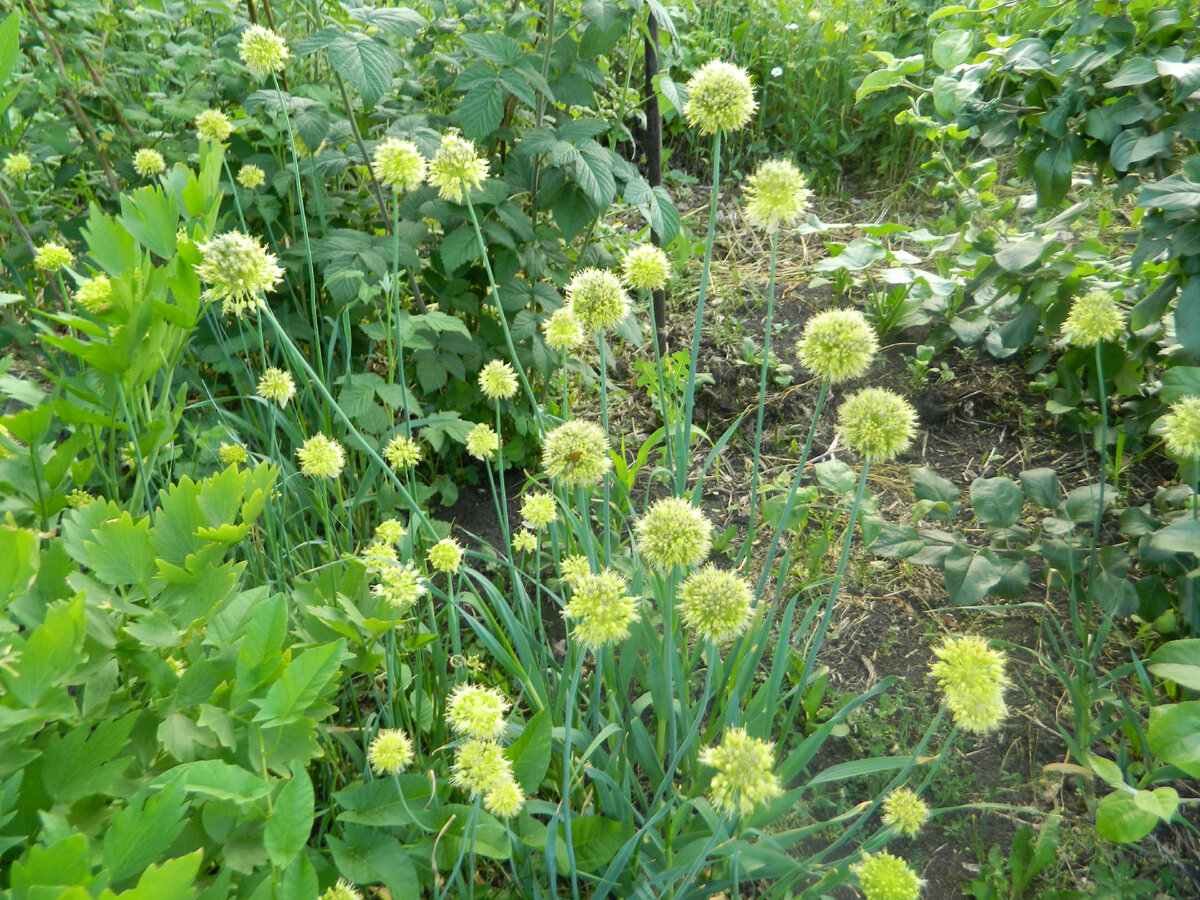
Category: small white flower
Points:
column 776, row 72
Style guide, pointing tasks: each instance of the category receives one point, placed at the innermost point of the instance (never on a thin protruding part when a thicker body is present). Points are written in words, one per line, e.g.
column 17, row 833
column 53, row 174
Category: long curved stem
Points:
column 762, row 395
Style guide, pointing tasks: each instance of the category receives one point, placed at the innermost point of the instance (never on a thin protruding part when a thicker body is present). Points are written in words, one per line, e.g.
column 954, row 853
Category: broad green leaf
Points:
column 1174, row 735
column 216, row 779
column 996, row 501
column 19, row 559
column 366, row 855
column 302, row 683
column 65, row 862
column 1042, row 487
column 897, row 542
column 1186, row 73
column 595, row 840
column 1178, row 661
column 50, row 655
column 120, row 552
column 1120, row 819
column 1014, row 256
column 1178, row 537
column 1187, row 316
column 530, row 753
column 1161, row 802
column 152, row 217
column 141, row 832
column 1052, row 170
column 173, row 880
column 365, row 63
column 1135, row 72
column 10, row 45
column 1175, row 192
column 835, row 475
column 951, row 48
column 929, row 485
column 481, row 111
column 970, row 575
column 81, row 763
column 291, row 819
column 879, row 80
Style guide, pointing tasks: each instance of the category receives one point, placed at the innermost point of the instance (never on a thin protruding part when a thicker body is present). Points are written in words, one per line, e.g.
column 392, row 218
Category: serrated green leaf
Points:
column 367, row 64
column 307, row 677
column 141, row 832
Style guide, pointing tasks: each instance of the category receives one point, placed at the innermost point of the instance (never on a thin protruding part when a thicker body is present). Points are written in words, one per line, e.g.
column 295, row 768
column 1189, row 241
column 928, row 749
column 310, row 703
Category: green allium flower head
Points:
column 321, row 457
column 715, row 603
column 251, row 176
column 576, row 453
column 456, row 168
column 402, row 452
column 720, row 97
column 562, row 330
column 837, row 344
column 51, row 257
column 148, row 162
column 745, row 772
column 482, row 441
column 17, row 165
column 877, row 423
column 575, row 568
column 94, row 294
column 673, row 533
column 596, row 299
column 498, row 380
column 602, row 607
column 399, row 164
column 1093, row 318
column 476, row 711
column 232, row 454
column 400, row 585
column 646, row 268
column 480, row 766
column 238, row 268
column 1181, row 428
column 505, row 799
column 777, row 194
column 391, row 752
column 276, row 386
column 538, row 510
column 390, row 531
column 262, row 50
column 446, row 555
column 343, row 890
column 524, row 541
column 885, row 877
column 971, row 674
column 379, row 553
column 213, row 125
column 905, row 811
column 76, row 498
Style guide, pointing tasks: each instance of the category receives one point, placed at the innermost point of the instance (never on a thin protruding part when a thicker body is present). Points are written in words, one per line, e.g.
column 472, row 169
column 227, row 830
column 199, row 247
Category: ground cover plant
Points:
column 406, row 494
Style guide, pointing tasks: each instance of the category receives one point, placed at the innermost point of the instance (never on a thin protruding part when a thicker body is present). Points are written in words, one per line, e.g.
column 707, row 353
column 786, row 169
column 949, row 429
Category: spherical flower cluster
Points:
column 505, row 799
column 94, row 294
column 400, row 584
column 673, row 533
column 1094, row 317
column 232, row 454
column 147, row 162
column 715, row 603
column 524, row 541
column 390, row 531
column 905, row 811
column 455, row 168
column 390, row 753
column 276, row 386
column 262, row 50
column 885, row 877
column 343, row 890
column 379, row 553
column 482, row 441
column 971, row 674
column 498, row 380
column 745, row 777
column 877, row 423
column 446, row 555
column 237, row 267
column 602, row 607
column 596, row 298
column 538, row 510
column 480, row 765
column 837, row 344
column 575, row 568
column 777, row 194
column 213, row 125
column 1181, row 428
column 75, row 499
column 399, row 164
column 251, row 176
column 646, row 268
column 476, row 711
column 51, row 257
column 402, row 452
column 720, row 97
column 576, row 453
column 321, row 457
column 17, row 165
column 562, row 330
